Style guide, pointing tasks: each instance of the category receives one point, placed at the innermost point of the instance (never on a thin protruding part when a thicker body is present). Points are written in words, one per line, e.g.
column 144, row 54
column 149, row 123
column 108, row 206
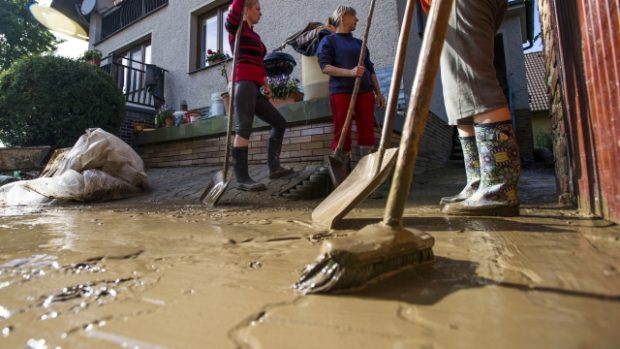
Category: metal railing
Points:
column 128, row 12
column 138, row 88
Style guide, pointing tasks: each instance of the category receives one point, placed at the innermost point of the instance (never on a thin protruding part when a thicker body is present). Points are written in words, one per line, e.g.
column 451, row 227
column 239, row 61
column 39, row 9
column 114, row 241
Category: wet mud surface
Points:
column 133, row 274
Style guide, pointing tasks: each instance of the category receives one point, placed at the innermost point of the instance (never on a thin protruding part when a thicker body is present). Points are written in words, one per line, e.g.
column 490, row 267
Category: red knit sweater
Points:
column 426, row 5
column 251, row 49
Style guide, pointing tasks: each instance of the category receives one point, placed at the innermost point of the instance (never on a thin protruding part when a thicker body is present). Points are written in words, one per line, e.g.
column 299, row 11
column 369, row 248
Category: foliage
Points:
column 21, row 34
column 282, row 86
column 92, row 55
column 163, row 113
column 543, row 140
column 213, row 56
column 53, row 100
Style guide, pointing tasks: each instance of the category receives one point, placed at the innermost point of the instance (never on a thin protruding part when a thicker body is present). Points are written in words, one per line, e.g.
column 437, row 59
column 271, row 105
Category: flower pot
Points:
column 316, row 84
column 193, row 117
column 226, row 101
column 138, row 126
column 290, row 99
column 214, row 61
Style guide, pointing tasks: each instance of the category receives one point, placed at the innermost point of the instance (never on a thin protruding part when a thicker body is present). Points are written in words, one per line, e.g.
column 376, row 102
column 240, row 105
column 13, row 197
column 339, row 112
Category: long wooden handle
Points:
column 417, row 113
column 358, row 80
column 231, row 102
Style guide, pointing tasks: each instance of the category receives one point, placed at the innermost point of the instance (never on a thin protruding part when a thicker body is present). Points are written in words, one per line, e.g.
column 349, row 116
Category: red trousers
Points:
column 364, row 116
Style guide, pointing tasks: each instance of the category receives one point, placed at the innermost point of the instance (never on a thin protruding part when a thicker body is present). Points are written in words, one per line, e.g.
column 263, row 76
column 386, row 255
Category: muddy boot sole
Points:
column 458, row 209
column 251, row 186
column 281, row 172
column 452, row 199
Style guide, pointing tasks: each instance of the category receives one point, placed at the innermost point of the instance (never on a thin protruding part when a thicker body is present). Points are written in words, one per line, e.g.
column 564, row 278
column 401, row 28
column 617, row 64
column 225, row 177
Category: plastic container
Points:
column 217, row 105
column 316, row 84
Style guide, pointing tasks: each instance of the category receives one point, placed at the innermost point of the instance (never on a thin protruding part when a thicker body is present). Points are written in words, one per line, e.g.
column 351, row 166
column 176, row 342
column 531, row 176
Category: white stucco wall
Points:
column 515, row 61
column 169, row 29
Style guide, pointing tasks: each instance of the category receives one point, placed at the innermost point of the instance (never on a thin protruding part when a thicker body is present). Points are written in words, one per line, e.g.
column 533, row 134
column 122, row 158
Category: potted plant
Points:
column 164, row 117
column 93, row 57
column 284, row 90
column 138, row 125
column 215, row 57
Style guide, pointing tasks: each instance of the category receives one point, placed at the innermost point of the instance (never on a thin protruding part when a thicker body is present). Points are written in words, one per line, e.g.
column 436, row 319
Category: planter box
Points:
column 27, row 158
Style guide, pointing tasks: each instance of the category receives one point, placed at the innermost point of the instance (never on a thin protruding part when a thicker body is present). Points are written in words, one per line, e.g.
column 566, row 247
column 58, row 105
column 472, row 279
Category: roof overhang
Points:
column 62, row 16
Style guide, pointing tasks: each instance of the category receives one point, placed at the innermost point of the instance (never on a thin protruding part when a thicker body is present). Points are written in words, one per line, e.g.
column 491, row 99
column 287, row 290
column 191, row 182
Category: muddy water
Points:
column 191, row 278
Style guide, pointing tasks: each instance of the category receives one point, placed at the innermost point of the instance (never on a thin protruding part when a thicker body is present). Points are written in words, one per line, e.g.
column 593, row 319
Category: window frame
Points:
column 200, row 40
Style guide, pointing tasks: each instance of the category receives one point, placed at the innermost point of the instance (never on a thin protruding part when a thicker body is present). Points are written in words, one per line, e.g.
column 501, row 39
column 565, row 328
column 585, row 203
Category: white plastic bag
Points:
column 99, row 167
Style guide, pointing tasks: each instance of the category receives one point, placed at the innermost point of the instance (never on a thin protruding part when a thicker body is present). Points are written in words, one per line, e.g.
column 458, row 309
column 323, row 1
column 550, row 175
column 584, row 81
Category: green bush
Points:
column 53, row 100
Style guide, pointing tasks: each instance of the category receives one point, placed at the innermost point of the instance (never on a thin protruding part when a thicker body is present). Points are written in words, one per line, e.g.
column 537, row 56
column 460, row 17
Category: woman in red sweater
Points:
column 249, row 101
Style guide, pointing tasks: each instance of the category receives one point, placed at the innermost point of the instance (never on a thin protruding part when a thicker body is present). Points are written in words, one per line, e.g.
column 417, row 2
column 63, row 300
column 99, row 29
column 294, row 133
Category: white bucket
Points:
column 316, row 84
column 217, row 105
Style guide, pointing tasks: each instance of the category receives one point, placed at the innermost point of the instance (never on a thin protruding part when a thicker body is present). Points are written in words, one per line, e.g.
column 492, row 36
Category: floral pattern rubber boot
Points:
column 500, row 169
column 472, row 171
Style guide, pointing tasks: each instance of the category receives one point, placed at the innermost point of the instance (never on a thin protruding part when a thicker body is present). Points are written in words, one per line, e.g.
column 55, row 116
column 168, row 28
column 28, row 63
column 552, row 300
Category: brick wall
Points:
column 558, row 128
column 126, row 130
column 302, row 143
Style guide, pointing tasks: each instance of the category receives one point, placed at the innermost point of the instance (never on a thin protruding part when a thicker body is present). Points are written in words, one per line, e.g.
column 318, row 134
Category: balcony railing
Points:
column 142, row 84
column 128, row 12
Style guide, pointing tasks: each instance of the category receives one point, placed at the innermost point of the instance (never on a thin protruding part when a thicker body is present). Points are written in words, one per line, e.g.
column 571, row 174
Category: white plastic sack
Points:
column 99, row 167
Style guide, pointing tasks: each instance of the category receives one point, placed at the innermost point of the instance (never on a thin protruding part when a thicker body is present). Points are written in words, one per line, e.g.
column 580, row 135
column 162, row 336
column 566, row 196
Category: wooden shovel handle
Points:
column 417, row 112
column 231, row 102
column 358, row 80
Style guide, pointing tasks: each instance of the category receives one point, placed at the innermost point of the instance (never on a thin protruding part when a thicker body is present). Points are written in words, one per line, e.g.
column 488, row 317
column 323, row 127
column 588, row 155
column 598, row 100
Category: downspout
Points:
column 529, row 19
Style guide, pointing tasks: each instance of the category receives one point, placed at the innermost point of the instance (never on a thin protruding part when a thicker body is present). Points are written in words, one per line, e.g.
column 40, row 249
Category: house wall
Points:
column 169, row 30
column 517, row 81
column 302, row 143
column 583, row 79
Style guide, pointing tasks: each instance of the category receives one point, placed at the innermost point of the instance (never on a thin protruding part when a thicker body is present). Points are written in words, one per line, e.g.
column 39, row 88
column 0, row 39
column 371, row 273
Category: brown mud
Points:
column 136, row 275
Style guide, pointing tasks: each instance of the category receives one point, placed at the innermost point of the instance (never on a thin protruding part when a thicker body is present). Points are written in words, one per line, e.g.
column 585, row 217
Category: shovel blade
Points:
column 214, row 190
column 337, row 166
column 371, row 171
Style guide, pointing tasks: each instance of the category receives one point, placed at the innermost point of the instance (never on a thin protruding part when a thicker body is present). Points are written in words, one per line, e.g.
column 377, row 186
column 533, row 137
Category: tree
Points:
column 21, row 34
column 48, row 100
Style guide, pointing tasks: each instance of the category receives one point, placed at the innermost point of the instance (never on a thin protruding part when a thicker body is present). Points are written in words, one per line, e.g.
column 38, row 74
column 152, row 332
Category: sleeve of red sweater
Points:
column 234, row 16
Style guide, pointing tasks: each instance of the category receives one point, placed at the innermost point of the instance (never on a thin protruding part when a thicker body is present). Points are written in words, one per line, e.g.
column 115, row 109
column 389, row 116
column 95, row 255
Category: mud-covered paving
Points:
column 186, row 277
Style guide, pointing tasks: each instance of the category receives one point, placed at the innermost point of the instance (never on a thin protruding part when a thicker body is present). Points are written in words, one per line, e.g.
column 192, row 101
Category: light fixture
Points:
column 57, row 21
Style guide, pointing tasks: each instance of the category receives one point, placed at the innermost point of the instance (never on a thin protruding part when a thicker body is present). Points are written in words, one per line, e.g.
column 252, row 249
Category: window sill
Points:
column 209, row 67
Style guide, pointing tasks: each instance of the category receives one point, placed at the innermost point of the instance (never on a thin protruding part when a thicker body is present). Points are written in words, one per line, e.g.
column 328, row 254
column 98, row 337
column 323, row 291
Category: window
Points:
column 212, row 34
column 130, row 72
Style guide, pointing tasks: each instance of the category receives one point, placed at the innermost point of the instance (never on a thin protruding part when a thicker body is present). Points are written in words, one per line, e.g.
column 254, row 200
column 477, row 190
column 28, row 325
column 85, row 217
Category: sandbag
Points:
column 99, row 167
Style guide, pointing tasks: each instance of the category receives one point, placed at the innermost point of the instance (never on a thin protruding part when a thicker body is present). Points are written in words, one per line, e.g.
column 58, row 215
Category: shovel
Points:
column 337, row 162
column 382, row 249
column 219, row 182
column 373, row 169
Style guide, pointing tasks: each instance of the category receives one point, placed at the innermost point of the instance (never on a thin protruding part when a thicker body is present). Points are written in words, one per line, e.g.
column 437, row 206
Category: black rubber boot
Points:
column 472, row 170
column 274, row 147
column 240, row 167
column 500, row 168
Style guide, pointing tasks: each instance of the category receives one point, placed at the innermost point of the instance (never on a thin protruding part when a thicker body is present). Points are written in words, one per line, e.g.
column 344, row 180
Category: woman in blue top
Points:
column 338, row 55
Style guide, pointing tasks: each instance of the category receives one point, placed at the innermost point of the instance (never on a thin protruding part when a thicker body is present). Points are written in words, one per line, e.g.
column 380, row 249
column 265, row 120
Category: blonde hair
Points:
column 340, row 12
column 250, row 3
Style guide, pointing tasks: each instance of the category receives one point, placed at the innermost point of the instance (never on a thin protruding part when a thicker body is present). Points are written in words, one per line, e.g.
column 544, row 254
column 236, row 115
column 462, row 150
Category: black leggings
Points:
column 248, row 102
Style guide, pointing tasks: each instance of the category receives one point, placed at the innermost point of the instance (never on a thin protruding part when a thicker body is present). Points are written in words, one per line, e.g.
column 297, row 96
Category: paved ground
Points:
column 184, row 185
column 161, row 271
